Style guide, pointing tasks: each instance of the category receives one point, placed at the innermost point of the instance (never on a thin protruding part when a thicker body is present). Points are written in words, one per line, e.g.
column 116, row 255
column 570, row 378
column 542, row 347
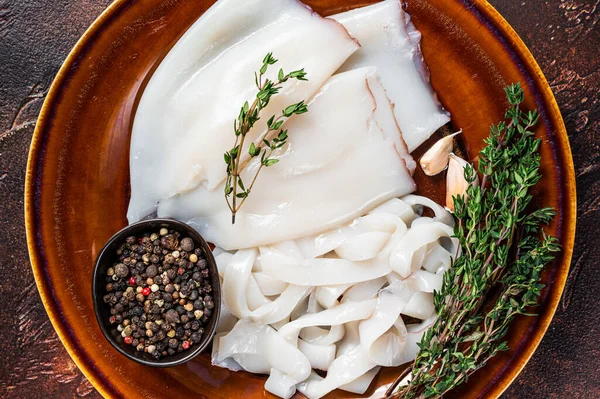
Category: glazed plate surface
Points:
column 77, row 188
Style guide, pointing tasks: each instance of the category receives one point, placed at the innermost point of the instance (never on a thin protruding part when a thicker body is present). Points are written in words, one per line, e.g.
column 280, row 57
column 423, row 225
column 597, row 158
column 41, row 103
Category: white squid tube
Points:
column 321, row 271
column 319, row 356
column 391, row 301
column 327, row 296
column 396, row 207
column 401, row 256
column 344, row 369
column 441, row 214
column 227, row 363
column 422, row 280
column 420, row 306
column 340, row 314
column 236, row 280
column 362, row 383
column 363, row 291
column 321, row 336
column 254, row 296
column 280, row 384
column 438, row 259
column 268, row 285
column 262, row 341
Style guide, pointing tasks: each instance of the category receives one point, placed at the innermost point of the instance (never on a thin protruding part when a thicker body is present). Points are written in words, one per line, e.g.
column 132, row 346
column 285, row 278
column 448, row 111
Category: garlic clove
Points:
column 456, row 184
column 436, row 158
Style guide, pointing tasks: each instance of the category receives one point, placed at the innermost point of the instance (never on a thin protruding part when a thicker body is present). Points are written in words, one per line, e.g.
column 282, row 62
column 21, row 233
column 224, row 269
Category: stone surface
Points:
column 36, row 36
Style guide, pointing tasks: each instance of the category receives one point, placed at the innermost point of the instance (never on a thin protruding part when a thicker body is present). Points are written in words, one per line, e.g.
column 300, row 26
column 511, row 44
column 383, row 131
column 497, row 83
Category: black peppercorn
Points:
column 172, row 316
column 187, row 244
column 169, row 241
column 202, row 264
column 154, row 327
column 171, row 274
column 196, row 338
column 140, row 267
column 151, row 271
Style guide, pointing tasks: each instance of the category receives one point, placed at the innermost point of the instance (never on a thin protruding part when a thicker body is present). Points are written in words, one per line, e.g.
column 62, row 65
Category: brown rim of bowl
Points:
column 489, row 17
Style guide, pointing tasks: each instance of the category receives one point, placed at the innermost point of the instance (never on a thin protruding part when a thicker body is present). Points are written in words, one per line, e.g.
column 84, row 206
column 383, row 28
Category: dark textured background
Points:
column 36, row 36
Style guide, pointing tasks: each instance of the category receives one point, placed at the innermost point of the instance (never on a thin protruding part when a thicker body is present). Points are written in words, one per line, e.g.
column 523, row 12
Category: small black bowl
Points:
column 107, row 258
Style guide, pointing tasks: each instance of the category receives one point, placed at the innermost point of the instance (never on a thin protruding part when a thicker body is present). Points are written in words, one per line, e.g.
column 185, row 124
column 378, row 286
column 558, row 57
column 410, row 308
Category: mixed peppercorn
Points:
column 159, row 293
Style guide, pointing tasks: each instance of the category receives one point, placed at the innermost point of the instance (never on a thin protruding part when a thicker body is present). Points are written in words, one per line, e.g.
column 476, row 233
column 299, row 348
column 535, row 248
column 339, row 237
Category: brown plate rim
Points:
column 503, row 31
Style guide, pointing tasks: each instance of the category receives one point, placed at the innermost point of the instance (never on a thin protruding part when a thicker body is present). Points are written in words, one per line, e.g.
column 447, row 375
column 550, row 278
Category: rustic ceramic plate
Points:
column 77, row 182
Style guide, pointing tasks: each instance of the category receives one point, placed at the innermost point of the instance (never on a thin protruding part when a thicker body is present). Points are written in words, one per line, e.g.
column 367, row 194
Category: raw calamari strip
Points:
column 319, row 356
column 268, row 285
column 341, row 314
column 402, row 255
column 320, row 271
column 362, row 383
column 327, row 296
column 390, row 42
column 321, row 336
column 264, row 342
column 184, row 121
column 330, row 151
column 370, row 232
column 280, row 384
column 237, row 299
column 391, row 301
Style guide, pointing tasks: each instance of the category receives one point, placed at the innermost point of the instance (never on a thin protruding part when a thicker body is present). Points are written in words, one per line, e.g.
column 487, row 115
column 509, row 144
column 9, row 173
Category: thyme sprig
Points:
column 235, row 189
column 503, row 252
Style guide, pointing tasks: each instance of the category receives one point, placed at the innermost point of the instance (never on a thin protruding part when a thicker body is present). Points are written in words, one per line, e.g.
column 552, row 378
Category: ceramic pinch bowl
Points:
column 108, row 257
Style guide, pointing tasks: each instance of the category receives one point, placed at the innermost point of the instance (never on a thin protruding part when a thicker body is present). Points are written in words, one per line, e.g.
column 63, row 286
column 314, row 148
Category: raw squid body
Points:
column 184, row 122
column 390, row 42
column 342, row 159
column 334, row 311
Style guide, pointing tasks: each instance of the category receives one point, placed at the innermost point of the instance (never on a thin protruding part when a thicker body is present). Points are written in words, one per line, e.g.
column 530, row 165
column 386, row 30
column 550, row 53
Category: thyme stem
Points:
column 249, row 114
